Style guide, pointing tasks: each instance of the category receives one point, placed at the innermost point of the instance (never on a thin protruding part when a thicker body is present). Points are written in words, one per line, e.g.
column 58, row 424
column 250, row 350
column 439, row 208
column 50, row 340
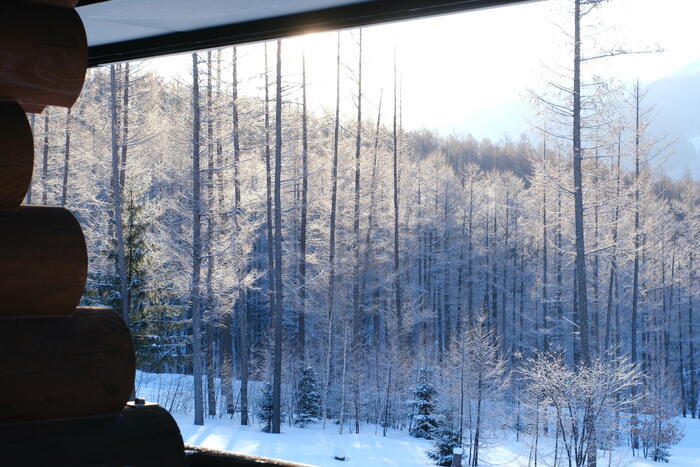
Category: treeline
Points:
column 250, row 237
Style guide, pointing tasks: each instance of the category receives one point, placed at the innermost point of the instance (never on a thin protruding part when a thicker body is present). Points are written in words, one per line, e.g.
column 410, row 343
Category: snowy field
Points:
column 315, row 445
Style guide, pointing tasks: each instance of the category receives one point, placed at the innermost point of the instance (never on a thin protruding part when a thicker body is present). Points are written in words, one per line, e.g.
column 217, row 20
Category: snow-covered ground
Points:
column 317, row 446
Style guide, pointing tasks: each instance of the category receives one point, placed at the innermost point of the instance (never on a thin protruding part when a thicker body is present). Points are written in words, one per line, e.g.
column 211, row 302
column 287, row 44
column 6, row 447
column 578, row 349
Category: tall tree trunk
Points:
column 357, row 316
column 196, row 248
column 331, row 248
column 45, row 161
column 397, row 272
column 124, row 126
column 210, row 307
column 301, row 319
column 578, row 195
column 370, row 224
column 545, row 272
column 268, row 203
column 277, row 377
column 241, row 302
column 637, row 245
column 681, row 358
column 66, row 159
column 117, row 201
column 693, row 399
column 613, row 260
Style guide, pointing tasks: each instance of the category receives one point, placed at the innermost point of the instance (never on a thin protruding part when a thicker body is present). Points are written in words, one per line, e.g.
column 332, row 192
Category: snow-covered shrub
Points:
column 309, row 403
column 424, row 393
column 657, row 427
column 580, row 398
column 446, row 439
column 265, row 407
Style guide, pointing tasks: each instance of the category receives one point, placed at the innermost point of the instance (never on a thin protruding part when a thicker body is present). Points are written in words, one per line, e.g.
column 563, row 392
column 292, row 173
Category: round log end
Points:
column 43, row 261
column 71, row 366
column 44, row 54
column 16, row 155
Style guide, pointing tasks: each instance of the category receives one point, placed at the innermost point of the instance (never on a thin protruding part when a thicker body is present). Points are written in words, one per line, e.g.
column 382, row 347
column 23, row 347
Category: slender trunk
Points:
column 637, row 244
column 210, row 318
column 397, row 272
column 241, row 301
column 277, row 387
column 357, row 315
column 578, row 195
column 117, row 202
column 681, row 358
column 268, row 202
column 545, row 275
column 125, row 126
column 613, row 261
column 66, row 159
column 331, row 247
column 196, row 248
column 693, row 399
column 301, row 320
column 45, row 161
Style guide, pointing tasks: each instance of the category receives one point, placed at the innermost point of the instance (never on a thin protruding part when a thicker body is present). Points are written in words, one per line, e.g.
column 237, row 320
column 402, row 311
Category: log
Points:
column 144, row 435
column 43, row 261
column 63, row 367
column 16, row 155
column 44, row 57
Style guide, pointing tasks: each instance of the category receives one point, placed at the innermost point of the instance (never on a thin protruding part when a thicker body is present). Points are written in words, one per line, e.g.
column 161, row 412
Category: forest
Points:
column 366, row 274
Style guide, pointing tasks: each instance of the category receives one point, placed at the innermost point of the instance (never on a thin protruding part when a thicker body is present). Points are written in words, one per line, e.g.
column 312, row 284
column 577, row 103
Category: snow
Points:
column 315, row 445
column 311, row 445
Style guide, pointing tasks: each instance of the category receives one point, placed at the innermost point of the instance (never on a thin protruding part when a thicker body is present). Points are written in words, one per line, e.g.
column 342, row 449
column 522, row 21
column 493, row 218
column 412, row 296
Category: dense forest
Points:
column 374, row 274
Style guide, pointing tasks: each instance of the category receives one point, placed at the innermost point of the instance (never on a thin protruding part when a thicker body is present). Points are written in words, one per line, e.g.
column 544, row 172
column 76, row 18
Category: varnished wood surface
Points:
column 138, row 436
column 43, row 261
column 16, row 155
column 44, row 54
column 78, row 365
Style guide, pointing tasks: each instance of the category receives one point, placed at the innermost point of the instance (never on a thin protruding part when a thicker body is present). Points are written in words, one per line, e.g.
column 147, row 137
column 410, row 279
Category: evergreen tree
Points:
column 265, row 407
column 446, row 439
column 424, row 402
column 309, row 403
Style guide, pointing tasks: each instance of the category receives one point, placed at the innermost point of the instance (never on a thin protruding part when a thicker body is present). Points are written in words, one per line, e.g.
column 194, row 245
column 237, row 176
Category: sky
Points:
column 470, row 72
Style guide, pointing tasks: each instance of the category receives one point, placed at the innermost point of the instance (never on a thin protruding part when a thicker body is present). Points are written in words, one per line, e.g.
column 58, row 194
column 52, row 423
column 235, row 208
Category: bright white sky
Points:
column 468, row 72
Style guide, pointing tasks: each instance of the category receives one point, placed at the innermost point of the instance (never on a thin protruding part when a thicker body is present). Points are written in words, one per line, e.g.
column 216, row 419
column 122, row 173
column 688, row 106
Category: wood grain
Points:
column 44, row 54
column 70, row 366
column 138, row 436
column 43, row 261
column 16, row 155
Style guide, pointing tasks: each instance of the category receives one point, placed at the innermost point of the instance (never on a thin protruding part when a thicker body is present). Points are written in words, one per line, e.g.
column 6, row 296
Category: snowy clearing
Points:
column 316, row 446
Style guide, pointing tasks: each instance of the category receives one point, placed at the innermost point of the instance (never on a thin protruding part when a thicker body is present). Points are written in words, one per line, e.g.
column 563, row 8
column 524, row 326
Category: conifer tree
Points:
column 424, row 403
column 309, row 402
column 265, row 407
column 446, row 439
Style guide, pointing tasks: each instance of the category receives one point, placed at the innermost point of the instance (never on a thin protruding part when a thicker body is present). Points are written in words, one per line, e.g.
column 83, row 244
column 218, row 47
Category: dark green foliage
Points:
column 265, row 407
column 308, row 398
column 424, row 404
column 446, row 439
column 155, row 316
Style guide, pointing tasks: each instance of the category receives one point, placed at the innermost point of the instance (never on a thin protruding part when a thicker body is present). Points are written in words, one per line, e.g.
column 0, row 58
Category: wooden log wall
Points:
column 67, row 372
column 76, row 365
column 43, row 261
column 141, row 435
column 17, row 159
